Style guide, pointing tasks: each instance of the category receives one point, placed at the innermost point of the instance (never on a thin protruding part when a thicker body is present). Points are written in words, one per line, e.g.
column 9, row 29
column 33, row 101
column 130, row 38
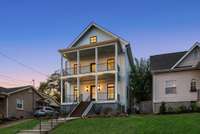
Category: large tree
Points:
column 141, row 80
column 51, row 86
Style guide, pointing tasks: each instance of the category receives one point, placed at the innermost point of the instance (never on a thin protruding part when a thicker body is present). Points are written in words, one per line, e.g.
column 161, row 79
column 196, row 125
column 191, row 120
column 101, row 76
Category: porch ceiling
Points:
column 90, row 52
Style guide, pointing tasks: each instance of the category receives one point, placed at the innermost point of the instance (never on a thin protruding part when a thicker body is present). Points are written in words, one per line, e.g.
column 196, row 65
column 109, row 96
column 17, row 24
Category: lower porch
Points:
column 87, row 88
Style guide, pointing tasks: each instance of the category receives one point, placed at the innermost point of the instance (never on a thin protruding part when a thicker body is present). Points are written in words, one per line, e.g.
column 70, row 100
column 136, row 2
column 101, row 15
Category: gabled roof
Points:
column 8, row 91
column 165, row 61
column 12, row 90
column 197, row 44
column 170, row 61
column 91, row 25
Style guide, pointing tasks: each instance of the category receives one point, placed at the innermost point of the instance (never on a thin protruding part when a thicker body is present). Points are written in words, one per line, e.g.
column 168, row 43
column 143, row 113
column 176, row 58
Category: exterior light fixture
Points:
column 86, row 89
column 99, row 88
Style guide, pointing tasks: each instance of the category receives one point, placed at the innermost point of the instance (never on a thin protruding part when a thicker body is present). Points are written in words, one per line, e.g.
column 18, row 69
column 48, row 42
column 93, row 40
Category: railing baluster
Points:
column 87, row 68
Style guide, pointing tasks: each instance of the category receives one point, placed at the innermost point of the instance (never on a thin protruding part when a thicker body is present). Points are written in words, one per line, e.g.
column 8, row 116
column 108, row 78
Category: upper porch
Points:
column 97, row 58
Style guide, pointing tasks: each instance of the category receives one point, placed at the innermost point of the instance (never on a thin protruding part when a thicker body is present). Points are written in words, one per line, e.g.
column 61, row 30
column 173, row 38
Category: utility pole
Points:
column 33, row 82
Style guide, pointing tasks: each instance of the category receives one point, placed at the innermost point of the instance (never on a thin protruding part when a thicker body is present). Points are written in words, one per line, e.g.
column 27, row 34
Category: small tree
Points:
column 141, row 80
column 52, row 86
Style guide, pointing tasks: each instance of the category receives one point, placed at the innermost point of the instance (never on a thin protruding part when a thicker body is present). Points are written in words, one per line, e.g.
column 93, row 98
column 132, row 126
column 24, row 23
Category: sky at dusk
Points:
column 33, row 31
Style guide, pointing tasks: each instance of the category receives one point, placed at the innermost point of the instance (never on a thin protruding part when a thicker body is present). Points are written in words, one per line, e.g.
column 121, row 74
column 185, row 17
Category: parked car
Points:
column 45, row 111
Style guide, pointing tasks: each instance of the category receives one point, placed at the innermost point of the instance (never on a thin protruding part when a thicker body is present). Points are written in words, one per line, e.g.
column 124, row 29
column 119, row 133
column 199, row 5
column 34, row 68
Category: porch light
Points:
column 87, row 89
column 99, row 88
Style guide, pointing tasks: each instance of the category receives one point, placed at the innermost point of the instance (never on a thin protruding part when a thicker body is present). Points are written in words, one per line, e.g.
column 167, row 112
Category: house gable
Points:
column 95, row 30
column 190, row 59
column 101, row 36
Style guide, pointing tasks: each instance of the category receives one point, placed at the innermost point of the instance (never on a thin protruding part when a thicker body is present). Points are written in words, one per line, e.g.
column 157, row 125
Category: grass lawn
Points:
column 147, row 124
column 15, row 128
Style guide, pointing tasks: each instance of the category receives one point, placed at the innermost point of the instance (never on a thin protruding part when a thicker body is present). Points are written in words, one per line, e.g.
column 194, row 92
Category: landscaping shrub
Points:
column 162, row 108
column 107, row 111
column 183, row 109
column 170, row 110
column 195, row 107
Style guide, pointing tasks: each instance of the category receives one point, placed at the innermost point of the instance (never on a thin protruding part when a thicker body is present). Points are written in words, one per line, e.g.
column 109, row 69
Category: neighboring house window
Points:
column 193, row 85
column 110, row 64
column 92, row 67
column 93, row 39
column 170, row 87
column 20, row 104
column 110, row 91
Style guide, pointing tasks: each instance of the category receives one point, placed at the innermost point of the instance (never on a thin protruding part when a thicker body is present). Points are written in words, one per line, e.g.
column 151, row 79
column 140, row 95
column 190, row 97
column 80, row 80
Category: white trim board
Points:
column 99, row 27
column 197, row 44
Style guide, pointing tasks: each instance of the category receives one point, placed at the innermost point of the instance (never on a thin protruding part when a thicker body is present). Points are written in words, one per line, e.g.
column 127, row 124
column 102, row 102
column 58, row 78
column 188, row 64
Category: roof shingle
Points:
column 10, row 90
column 165, row 61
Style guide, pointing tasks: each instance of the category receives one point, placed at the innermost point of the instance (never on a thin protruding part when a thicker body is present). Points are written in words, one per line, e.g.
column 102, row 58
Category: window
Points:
column 111, row 92
column 75, row 68
column 76, row 94
column 170, row 87
column 92, row 67
column 110, row 64
column 19, row 104
column 93, row 39
column 193, row 85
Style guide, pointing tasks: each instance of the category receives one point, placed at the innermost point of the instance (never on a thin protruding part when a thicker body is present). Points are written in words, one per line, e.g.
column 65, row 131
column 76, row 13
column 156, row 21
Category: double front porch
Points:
column 98, row 88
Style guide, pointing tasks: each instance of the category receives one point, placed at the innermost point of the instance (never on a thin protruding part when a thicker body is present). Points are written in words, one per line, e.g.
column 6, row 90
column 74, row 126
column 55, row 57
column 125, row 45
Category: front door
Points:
column 92, row 92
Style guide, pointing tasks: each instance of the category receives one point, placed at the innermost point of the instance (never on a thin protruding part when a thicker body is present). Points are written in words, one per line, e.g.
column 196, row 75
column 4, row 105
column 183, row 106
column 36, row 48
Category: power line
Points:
column 8, row 77
column 22, row 64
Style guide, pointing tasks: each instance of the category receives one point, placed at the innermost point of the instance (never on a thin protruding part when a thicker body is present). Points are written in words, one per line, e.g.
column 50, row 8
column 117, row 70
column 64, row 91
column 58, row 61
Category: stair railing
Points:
column 87, row 110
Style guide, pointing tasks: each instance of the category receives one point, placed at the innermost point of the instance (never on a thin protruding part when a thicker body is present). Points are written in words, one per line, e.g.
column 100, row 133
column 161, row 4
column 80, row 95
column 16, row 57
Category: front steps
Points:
column 80, row 109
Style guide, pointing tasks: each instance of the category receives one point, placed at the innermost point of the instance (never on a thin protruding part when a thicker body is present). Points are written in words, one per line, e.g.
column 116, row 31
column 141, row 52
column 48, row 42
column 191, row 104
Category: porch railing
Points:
column 105, row 67
column 104, row 96
column 88, row 69
column 73, row 98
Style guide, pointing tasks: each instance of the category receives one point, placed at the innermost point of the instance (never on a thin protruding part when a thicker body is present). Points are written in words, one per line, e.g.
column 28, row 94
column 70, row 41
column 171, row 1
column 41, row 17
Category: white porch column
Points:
column 116, row 71
column 96, row 76
column 61, row 83
column 78, row 61
column 78, row 71
column 78, row 89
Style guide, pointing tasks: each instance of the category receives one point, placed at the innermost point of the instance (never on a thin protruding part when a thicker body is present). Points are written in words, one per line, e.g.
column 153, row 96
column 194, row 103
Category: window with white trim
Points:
column 193, row 85
column 20, row 104
column 170, row 87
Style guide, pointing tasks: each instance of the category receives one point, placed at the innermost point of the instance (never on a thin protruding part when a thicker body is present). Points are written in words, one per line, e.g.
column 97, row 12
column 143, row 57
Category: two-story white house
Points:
column 95, row 72
column 176, row 78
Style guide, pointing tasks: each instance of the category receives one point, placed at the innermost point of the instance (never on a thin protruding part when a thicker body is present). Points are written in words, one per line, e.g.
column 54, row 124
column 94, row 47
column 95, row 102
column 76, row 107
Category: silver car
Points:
column 45, row 111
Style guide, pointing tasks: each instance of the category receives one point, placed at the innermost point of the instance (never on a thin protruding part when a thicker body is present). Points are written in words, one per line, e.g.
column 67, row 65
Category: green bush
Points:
column 170, row 110
column 194, row 107
column 162, row 108
column 183, row 109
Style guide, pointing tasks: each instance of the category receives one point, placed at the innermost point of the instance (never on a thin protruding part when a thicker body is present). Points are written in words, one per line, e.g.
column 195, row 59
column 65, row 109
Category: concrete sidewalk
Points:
column 47, row 126
column 13, row 123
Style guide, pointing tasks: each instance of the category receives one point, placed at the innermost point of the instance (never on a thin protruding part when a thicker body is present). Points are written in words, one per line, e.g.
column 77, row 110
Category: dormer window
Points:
column 93, row 39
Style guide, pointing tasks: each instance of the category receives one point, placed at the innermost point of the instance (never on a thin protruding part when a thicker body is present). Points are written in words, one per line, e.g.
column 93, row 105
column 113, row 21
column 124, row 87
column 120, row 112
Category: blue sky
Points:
column 33, row 31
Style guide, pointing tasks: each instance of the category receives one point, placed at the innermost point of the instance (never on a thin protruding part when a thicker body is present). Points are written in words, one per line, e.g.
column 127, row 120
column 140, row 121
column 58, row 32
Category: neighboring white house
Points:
column 95, row 69
column 176, row 78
